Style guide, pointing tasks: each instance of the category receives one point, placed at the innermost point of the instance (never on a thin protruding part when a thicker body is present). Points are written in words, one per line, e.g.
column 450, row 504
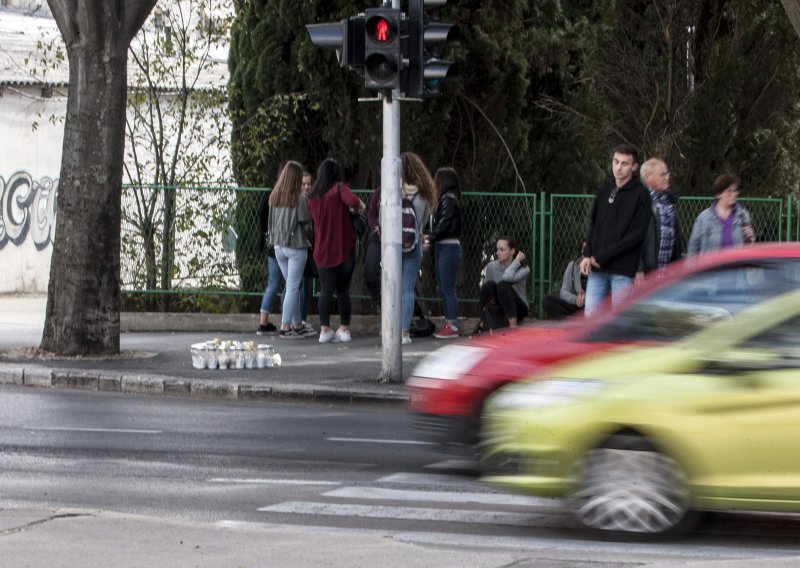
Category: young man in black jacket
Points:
column 617, row 227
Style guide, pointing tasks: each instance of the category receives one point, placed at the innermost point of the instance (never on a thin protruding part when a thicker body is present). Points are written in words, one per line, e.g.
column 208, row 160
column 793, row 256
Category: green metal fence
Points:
column 213, row 244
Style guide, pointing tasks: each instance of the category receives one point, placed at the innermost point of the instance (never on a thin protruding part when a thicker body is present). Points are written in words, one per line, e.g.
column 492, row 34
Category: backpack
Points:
column 410, row 235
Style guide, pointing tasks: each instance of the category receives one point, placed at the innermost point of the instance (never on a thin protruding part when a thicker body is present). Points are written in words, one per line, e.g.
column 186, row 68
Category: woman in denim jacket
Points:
column 726, row 223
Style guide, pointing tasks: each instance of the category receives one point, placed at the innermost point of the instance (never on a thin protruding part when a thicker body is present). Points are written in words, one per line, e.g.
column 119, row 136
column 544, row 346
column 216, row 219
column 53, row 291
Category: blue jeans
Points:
column 410, row 266
column 274, row 281
column 292, row 262
column 448, row 257
column 600, row 285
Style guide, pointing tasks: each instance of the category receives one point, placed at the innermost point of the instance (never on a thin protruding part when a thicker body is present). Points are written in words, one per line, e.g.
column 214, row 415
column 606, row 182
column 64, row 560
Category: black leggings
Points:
column 504, row 295
column 372, row 267
column 336, row 279
column 557, row 308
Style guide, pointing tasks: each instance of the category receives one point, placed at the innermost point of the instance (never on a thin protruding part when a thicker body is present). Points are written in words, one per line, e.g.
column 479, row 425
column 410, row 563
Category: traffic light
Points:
column 346, row 37
column 383, row 60
column 425, row 71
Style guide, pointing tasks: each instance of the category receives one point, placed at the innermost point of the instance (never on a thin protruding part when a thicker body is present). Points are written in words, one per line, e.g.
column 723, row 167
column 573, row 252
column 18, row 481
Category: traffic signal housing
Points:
column 426, row 72
column 383, row 59
column 346, row 37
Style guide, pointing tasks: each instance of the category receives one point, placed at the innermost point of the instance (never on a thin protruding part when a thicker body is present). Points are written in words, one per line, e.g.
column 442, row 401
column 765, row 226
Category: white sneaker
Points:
column 343, row 335
column 327, row 336
column 406, row 340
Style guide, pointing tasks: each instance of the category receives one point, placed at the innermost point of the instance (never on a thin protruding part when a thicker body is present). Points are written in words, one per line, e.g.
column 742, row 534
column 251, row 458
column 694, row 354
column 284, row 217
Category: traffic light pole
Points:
column 391, row 236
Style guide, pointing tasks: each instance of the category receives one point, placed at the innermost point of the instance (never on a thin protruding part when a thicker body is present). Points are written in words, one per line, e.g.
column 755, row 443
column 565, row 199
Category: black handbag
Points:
column 359, row 224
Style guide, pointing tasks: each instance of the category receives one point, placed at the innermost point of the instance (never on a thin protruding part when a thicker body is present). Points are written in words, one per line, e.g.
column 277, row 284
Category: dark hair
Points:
column 628, row 150
column 723, row 182
column 329, row 173
column 446, row 179
column 512, row 243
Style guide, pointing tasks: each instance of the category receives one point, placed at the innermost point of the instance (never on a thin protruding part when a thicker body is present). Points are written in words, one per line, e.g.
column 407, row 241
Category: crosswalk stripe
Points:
column 257, row 481
column 412, row 513
column 442, row 497
column 379, row 441
column 431, row 479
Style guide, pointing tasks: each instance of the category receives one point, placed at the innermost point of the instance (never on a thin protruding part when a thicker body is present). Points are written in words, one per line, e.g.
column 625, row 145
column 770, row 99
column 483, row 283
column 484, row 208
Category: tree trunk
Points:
column 83, row 298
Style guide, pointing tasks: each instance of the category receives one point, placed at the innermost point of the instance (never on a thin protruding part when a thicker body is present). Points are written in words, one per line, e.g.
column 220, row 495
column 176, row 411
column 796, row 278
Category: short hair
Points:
column 723, row 182
column 628, row 150
column 648, row 165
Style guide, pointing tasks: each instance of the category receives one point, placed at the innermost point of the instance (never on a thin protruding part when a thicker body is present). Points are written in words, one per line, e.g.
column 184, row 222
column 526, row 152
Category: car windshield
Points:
column 683, row 307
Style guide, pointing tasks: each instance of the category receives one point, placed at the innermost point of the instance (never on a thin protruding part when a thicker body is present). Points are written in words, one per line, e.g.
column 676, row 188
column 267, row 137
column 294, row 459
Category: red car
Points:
column 448, row 388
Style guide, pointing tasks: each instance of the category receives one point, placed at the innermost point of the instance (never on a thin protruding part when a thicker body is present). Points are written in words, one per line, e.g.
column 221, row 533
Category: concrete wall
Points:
column 30, row 162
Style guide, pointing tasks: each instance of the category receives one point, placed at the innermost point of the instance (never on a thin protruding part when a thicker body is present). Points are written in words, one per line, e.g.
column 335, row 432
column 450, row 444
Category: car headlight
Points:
column 544, row 393
column 449, row 362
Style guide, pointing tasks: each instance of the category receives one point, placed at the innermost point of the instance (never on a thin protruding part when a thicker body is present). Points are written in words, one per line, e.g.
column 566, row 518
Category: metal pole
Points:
column 391, row 235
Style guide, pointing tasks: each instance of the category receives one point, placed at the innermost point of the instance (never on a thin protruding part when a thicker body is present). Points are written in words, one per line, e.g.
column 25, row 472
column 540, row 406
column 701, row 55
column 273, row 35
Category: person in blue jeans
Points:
column 618, row 226
column 289, row 232
column 419, row 187
column 444, row 238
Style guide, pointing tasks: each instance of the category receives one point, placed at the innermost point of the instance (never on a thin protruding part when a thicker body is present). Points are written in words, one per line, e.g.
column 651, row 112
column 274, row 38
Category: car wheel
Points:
column 628, row 486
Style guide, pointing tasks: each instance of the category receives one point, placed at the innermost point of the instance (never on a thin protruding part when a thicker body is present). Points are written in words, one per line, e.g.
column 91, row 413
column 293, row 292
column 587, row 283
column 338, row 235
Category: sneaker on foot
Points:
column 291, row 334
column 308, row 330
column 269, row 328
column 343, row 335
column 327, row 336
column 406, row 339
column 447, row 332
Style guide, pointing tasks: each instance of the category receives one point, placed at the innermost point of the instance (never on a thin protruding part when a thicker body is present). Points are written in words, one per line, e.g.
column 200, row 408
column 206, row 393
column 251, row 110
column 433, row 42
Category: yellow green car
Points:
column 639, row 440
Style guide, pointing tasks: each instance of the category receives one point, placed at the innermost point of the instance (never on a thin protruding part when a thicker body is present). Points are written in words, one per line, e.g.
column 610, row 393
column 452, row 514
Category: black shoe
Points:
column 269, row 328
column 291, row 334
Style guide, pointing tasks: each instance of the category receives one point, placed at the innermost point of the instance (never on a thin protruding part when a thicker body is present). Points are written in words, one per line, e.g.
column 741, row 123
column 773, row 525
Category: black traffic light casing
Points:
column 425, row 71
column 346, row 37
column 383, row 60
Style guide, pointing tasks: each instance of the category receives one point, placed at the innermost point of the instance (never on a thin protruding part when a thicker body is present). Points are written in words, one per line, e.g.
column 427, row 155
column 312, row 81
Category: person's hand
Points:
column 748, row 233
column 426, row 244
column 377, row 230
column 581, row 299
column 361, row 207
column 638, row 280
column 520, row 256
column 586, row 265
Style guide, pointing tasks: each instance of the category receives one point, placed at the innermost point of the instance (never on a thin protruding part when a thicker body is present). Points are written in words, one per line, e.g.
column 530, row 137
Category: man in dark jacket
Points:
column 662, row 243
column 617, row 227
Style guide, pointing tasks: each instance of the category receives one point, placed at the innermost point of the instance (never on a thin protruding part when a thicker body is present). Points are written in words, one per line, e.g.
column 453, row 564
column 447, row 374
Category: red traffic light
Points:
column 381, row 30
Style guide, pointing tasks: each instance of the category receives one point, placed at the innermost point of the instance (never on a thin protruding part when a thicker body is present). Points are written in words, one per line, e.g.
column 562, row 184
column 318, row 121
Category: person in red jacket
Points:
column 330, row 202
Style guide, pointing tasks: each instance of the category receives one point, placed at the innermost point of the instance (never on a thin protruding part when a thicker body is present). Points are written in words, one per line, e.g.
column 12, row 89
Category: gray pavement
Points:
column 156, row 359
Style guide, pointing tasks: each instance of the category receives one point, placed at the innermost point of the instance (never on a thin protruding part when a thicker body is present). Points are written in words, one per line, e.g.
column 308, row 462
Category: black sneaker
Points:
column 307, row 330
column 291, row 334
column 269, row 328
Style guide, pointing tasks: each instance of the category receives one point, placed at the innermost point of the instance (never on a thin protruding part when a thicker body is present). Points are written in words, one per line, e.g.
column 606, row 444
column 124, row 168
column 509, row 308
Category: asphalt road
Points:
column 356, row 468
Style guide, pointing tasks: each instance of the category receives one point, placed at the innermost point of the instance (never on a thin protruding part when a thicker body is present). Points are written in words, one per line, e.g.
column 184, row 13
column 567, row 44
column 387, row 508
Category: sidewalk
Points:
column 158, row 360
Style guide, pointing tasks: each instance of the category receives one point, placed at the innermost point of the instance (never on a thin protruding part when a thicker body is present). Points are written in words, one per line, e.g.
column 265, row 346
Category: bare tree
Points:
column 83, row 300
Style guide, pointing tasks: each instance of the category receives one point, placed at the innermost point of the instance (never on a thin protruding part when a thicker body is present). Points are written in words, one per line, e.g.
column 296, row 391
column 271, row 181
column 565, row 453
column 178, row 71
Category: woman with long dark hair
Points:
column 444, row 236
column 289, row 231
column 330, row 202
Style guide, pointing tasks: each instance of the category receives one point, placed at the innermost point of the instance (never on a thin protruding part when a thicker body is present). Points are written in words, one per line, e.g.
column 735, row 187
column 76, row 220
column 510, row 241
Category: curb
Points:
column 202, row 389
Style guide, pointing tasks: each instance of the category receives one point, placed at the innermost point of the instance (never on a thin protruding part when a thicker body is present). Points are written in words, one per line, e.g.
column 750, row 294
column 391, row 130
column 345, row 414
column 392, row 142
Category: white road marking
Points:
column 434, row 479
column 454, row 464
column 443, row 497
column 256, row 481
column 104, row 430
column 405, row 513
column 379, row 441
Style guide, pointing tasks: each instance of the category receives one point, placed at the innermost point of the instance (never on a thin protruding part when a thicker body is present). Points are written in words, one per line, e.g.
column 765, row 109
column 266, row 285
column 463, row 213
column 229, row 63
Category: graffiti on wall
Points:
column 28, row 208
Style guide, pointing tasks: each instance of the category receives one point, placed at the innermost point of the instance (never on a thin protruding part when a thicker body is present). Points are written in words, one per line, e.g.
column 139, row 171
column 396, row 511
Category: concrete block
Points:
column 142, row 384
column 214, row 390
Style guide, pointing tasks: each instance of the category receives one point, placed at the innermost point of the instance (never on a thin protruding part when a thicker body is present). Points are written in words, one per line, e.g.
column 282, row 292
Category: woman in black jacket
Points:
column 444, row 235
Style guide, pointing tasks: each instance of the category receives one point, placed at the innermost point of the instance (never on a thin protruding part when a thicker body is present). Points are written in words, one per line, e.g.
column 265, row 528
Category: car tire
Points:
column 627, row 486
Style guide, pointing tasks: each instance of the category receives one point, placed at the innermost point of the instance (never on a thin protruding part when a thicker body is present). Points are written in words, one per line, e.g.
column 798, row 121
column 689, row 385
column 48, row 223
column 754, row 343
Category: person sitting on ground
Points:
column 504, row 284
column 573, row 291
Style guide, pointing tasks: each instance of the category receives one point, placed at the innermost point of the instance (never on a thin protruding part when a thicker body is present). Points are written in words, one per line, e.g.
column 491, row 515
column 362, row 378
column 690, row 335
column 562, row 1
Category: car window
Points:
column 783, row 339
column 683, row 307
